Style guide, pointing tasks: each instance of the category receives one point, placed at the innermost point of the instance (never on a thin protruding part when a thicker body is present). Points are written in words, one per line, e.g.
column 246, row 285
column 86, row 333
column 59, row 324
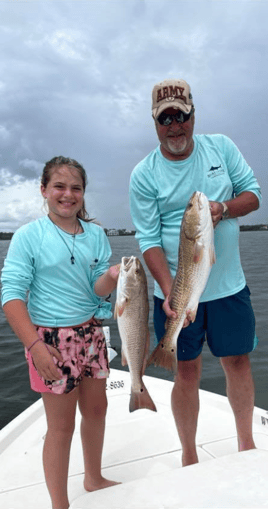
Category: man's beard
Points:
column 176, row 145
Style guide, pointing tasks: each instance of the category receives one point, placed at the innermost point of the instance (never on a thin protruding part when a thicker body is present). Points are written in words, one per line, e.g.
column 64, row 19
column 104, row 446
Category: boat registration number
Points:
column 115, row 384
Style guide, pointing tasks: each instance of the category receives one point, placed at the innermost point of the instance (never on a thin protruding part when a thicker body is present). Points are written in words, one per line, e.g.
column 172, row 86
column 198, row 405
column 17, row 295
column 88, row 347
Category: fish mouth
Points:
column 203, row 201
column 199, row 198
column 127, row 262
column 130, row 264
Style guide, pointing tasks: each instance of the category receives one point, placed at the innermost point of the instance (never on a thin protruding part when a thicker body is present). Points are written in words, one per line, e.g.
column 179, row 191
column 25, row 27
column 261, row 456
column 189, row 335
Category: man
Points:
column 160, row 187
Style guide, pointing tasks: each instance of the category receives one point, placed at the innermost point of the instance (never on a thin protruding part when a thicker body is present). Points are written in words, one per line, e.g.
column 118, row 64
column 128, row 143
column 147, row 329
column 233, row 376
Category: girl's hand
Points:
column 43, row 359
column 107, row 281
column 114, row 271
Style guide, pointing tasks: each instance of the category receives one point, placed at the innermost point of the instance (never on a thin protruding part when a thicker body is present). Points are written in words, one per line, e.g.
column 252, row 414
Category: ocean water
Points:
column 16, row 395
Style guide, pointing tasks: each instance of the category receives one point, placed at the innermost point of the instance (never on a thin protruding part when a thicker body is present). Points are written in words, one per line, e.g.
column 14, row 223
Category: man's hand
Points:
column 169, row 312
column 173, row 315
column 216, row 209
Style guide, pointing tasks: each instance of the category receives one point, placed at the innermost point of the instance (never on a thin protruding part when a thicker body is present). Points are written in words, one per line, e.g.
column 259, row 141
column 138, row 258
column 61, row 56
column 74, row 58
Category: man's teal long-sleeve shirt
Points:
column 160, row 190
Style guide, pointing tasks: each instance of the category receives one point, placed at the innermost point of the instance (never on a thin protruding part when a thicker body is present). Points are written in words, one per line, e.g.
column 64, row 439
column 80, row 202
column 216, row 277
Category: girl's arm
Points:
column 19, row 319
column 106, row 283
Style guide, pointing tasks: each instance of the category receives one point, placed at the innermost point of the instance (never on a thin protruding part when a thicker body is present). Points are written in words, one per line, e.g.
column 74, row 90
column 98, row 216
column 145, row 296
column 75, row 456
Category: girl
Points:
column 62, row 261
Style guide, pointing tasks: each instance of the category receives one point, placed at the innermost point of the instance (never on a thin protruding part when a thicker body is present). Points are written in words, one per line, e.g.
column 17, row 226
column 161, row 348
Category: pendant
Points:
column 72, row 260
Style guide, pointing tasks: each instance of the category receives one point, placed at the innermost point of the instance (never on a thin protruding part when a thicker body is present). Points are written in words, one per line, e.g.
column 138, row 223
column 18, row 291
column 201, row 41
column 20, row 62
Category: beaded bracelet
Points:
column 38, row 339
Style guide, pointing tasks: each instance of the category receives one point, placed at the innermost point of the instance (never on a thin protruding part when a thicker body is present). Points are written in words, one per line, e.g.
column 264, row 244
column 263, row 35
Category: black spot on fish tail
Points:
column 141, row 399
column 163, row 357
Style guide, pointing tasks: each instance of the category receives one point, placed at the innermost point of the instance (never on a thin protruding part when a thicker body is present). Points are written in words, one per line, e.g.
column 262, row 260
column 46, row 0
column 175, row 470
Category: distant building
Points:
column 112, row 231
column 253, row 227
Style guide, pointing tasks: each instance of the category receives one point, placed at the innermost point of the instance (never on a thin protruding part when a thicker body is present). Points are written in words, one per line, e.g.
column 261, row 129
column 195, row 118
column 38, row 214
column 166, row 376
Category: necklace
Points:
column 71, row 251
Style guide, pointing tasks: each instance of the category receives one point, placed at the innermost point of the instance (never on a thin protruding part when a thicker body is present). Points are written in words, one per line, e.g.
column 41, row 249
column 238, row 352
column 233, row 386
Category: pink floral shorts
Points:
column 84, row 353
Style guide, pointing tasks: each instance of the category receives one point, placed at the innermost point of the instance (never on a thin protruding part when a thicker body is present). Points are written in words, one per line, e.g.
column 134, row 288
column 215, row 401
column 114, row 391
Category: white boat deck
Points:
column 142, row 450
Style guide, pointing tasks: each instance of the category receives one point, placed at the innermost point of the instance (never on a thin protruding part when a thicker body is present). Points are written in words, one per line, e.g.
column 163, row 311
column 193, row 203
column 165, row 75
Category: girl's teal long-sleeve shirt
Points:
column 60, row 294
column 160, row 190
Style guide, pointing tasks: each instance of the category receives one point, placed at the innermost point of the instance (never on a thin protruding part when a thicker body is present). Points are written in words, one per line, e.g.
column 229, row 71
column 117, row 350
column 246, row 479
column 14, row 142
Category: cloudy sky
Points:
column 76, row 79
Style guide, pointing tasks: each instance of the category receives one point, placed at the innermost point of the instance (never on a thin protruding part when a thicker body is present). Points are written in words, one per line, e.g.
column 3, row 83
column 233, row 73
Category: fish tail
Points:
column 163, row 357
column 141, row 399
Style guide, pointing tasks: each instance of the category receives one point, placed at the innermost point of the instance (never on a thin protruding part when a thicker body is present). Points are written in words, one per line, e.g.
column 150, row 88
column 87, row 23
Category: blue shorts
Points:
column 228, row 326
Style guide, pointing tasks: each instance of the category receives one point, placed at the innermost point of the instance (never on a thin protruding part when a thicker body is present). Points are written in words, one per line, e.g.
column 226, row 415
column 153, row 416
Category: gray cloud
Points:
column 76, row 80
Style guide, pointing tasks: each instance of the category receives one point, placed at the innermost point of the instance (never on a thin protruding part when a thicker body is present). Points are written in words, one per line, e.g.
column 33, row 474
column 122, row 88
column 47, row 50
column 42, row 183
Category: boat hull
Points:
column 143, row 451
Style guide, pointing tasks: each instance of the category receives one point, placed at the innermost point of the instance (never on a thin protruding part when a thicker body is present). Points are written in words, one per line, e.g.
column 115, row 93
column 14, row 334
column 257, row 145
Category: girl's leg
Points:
column 93, row 405
column 60, row 413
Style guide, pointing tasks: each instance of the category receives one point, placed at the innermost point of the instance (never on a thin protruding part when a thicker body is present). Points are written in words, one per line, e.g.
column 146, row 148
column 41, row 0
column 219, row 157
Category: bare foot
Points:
column 189, row 459
column 99, row 484
column 246, row 446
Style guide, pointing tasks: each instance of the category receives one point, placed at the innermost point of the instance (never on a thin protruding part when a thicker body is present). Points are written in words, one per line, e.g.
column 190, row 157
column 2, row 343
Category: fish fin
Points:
column 121, row 307
column 146, row 352
column 141, row 399
column 164, row 357
column 198, row 251
column 212, row 255
column 191, row 313
column 123, row 358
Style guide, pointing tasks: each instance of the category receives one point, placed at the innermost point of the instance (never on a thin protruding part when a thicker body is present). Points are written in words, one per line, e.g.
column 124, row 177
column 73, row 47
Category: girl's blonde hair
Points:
column 56, row 163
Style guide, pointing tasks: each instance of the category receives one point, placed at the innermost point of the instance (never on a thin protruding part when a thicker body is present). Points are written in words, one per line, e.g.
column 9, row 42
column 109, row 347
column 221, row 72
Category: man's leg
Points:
column 240, row 391
column 185, row 406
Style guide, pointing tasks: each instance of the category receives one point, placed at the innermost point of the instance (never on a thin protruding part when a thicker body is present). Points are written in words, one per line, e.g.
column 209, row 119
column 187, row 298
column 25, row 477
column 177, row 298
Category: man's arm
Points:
column 157, row 264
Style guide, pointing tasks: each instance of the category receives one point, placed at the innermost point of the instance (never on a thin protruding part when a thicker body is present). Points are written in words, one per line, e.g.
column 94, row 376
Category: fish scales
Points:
column 196, row 256
column 131, row 327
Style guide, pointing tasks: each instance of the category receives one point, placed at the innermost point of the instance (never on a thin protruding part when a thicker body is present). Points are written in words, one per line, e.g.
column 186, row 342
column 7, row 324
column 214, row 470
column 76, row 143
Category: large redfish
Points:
column 196, row 257
column 132, row 312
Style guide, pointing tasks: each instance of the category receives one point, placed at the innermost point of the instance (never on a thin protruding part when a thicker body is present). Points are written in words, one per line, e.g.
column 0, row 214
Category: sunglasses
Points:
column 167, row 118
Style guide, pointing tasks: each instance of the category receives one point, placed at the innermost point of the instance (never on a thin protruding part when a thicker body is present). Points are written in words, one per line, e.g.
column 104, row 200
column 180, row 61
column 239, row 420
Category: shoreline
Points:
column 123, row 233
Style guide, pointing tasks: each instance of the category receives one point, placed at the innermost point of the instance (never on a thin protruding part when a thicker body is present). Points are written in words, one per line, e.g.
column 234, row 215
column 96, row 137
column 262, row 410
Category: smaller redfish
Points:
column 132, row 312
